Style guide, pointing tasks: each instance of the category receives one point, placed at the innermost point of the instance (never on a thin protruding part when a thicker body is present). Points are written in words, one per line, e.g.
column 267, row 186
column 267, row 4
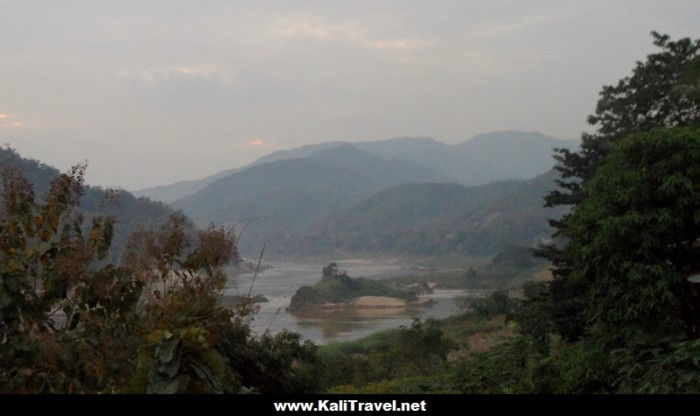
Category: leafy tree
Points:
column 661, row 92
column 497, row 303
column 277, row 364
column 64, row 322
column 633, row 239
column 330, row 271
column 632, row 242
column 72, row 323
column 183, row 320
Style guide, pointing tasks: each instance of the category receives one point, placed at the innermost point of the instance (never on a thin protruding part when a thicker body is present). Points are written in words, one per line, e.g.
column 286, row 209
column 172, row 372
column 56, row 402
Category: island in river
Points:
column 337, row 290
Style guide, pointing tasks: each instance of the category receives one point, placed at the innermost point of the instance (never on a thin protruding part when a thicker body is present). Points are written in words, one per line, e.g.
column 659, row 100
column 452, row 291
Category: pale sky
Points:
column 151, row 92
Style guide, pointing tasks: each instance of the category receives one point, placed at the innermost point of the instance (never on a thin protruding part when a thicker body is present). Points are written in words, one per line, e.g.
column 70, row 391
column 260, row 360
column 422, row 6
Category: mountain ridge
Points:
column 521, row 161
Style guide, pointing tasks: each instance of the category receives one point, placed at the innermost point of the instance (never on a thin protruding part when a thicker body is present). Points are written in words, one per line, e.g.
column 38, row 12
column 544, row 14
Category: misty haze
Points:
column 358, row 197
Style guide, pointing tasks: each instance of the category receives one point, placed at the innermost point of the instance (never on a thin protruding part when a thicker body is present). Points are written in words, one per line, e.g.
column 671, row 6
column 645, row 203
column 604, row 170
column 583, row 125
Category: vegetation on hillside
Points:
column 620, row 314
column 433, row 220
column 129, row 212
column 509, row 269
column 72, row 323
column 662, row 92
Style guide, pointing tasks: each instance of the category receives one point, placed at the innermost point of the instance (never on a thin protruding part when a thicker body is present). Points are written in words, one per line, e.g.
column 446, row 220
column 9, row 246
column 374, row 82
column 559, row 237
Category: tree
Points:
column 663, row 91
column 633, row 238
column 330, row 271
column 70, row 322
column 65, row 322
column 183, row 320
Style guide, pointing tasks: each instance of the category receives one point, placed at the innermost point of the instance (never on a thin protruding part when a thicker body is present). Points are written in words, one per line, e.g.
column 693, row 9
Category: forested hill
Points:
column 435, row 218
column 484, row 158
column 129, row 211
column 280, row 197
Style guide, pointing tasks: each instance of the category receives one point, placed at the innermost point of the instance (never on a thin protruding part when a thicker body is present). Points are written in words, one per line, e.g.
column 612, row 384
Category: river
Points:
column 279, row 282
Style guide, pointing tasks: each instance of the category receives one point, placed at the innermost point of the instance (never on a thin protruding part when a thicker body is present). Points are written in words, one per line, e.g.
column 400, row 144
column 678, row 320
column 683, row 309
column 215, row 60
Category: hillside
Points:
column 130, row 212
column 280, row 197
column 434, row 219
column 484, row 158
column 177, row 190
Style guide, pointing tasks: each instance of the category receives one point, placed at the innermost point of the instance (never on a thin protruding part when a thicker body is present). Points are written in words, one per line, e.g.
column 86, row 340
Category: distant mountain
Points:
column 380, row 171
column 130, row 212
column 177, row 190
column 433, row 219
column 504, row 155
column 282, row 196
column 485, row 158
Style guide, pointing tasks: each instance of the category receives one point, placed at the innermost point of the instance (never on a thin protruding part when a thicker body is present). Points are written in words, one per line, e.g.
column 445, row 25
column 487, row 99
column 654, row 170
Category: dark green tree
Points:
column 330, row 271
column 663, row 91
column 633, row 238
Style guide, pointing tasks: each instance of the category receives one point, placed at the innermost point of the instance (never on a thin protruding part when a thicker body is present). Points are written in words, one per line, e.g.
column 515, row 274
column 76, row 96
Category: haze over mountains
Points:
column 404, row 196
column 434, row 219
column 485, row 158
column 336, row 196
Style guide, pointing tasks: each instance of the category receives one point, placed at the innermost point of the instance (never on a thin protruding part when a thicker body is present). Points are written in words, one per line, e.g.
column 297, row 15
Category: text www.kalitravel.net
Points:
column 348, row 405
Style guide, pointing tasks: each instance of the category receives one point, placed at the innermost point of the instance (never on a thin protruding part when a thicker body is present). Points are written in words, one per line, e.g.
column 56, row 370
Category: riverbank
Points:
column 279, row 282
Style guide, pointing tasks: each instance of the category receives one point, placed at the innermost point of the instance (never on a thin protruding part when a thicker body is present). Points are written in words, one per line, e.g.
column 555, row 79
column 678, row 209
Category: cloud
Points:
column 184, row 88
column 171, row 72
column 314, row 28
column 256, row 142
column 398, row 44
column 9, row 124
column 347, row 31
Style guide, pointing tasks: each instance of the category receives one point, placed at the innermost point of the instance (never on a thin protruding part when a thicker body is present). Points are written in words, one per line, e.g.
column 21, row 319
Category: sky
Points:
column 152, row 92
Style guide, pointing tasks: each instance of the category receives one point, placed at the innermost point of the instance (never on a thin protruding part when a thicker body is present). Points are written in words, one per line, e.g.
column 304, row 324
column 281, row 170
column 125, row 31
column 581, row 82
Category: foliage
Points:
column 71, row 322
column 127, row 211
column 502, row 370
column 661, row 92
column 279, row 364
column 434, row 219
column 65, row 324
column 664, row 368
column 183, row 362
column 336, row 287
column 631, row 243
column 496, row 303
column 418, row 350
column 632, row 238
column 515, row 256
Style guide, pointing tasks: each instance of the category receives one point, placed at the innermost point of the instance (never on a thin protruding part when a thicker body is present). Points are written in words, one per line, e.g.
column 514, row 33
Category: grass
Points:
column 364, row 345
